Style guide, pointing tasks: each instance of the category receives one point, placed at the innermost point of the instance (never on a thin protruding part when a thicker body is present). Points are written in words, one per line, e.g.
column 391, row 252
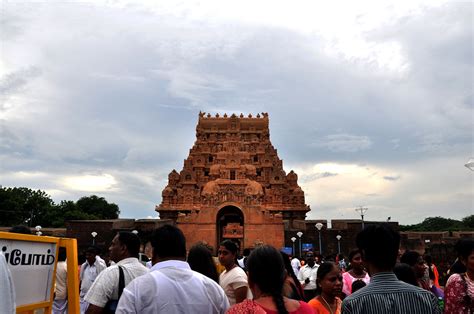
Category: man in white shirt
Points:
column 242, row 260
column 60, row 287
column 124, row 251
column 89, row 272
column 171, row 286
column 7, row 290
column 307, row 277
column 295, row 264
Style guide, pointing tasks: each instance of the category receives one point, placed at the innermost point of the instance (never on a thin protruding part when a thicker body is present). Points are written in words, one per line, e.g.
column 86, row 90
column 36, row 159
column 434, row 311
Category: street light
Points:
column 93, row 234
column 319, row 226
column 293, row 239
column 299, row 234
column 427, row 244
column 339, row 237
column 362, row 211
column 38, row 230
column 135, row 232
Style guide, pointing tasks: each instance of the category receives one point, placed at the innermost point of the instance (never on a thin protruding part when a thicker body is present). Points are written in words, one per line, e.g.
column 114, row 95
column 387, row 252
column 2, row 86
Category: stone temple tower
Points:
column 233, row 186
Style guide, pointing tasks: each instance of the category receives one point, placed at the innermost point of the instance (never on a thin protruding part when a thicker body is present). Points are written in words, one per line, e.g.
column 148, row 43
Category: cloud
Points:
column 370, row 105
column 15, row 82
column 344, row 143
column 90, row 183
column 392, row 178
column 316, row 176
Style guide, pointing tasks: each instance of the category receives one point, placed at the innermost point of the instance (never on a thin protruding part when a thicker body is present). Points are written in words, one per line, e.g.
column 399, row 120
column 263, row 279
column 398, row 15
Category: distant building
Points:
column 233, row 185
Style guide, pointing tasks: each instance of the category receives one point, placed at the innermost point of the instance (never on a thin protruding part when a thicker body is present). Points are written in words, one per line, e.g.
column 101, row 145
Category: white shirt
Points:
column 60, row 288
column 100, row 260
column 295, row 264
column 89, row 274
column 232, row 280
column 148, row 264
column 172, row 287
column 308, row 272
column 106, row 286
column 7, row 290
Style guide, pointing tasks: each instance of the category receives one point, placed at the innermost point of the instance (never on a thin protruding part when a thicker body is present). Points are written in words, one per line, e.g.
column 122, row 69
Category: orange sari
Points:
column 320, row 308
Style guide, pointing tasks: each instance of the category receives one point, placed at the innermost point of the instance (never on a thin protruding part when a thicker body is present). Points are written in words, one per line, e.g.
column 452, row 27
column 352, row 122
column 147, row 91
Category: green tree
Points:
column 23, row 206
column 86, row 208
column 98, row 207
column 65, row 210
column 435, row 224
column 468, row 222
column 440, row 223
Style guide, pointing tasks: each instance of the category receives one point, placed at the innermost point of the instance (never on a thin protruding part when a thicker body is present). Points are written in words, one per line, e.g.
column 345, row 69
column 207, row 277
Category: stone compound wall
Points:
column 107, row 229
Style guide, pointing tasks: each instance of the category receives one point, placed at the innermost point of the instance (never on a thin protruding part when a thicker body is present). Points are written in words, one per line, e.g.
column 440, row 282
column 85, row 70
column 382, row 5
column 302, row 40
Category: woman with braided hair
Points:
column 267, row 275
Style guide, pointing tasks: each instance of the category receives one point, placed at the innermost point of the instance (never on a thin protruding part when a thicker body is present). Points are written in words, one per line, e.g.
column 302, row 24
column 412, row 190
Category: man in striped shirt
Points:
column 385, row 293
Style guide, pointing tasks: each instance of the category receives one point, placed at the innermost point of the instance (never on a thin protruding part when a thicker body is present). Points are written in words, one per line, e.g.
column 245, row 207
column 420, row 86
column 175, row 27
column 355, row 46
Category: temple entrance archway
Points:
column 230, row 225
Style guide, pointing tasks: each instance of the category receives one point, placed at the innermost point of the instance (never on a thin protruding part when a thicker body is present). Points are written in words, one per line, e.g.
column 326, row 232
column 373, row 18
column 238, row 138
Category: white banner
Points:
column 32, row 267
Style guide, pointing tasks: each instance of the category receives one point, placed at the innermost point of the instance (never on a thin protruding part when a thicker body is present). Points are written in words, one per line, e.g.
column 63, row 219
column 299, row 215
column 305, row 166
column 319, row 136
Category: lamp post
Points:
column 427, row 245
column 339, row 237
column 293, row 239
column 319, row 226
column 362, row 211
column 299, row 234
column 93, row 234
column 38, row 230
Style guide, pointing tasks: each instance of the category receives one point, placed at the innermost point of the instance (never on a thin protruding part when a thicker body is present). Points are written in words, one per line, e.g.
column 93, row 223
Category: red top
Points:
column 251, row 307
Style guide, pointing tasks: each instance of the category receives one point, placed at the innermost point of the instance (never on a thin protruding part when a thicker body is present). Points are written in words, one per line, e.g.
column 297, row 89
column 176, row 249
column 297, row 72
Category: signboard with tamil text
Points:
column 32, row 267
column 32, row 263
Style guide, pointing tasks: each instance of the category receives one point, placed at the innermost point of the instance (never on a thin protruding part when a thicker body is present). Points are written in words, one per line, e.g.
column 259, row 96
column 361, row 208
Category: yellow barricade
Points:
column 32, row 261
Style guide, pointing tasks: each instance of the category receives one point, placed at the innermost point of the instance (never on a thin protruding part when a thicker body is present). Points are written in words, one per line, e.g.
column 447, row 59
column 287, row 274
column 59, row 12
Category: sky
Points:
column 370, row 103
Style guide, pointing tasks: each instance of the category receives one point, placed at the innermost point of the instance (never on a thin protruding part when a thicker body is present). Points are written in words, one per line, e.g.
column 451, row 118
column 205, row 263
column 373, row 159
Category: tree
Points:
column 23, row 206
column 86, row 208
column 468, row 222
column 66, row 210
column 440, row 224
column 98, row 207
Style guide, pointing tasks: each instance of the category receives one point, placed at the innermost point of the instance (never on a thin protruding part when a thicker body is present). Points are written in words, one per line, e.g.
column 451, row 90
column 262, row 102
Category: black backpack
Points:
column 111, row 306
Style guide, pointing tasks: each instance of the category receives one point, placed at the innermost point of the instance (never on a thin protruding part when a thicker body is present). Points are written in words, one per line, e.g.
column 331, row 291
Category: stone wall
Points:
column 107, row 229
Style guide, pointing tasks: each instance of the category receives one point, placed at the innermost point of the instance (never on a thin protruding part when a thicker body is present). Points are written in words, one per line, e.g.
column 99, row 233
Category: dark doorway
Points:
column 230, row 225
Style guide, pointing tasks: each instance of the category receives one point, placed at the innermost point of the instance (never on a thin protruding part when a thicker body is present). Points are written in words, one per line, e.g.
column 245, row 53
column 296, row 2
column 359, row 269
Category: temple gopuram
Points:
column 233, row 186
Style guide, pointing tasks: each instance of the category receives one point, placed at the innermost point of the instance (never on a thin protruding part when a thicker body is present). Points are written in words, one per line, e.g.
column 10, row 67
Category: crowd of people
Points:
column 375, row 278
